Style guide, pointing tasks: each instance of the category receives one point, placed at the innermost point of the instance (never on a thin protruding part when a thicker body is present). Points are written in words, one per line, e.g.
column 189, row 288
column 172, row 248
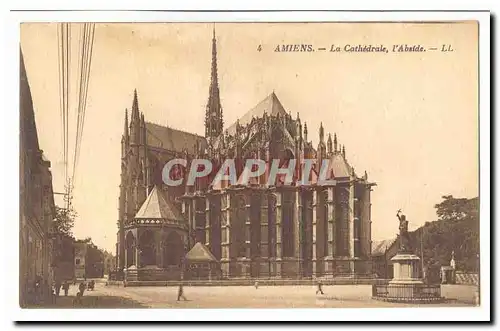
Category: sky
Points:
column 409, row 119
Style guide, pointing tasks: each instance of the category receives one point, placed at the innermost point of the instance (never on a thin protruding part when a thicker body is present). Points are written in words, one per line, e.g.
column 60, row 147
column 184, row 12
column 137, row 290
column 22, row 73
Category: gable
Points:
column 200, row 253
column 270, row 105
column 172, row 139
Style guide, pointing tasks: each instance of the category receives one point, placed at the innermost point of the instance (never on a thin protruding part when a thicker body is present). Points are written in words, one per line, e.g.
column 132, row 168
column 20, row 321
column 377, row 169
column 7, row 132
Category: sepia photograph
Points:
column 222, row 164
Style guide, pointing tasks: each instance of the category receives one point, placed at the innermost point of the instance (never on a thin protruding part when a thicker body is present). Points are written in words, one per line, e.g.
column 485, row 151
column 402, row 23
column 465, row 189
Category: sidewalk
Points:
column 90, row 299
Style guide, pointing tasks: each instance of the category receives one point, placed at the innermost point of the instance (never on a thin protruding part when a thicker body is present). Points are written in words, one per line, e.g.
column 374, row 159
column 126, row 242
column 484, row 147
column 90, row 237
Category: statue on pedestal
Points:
column 404, row 237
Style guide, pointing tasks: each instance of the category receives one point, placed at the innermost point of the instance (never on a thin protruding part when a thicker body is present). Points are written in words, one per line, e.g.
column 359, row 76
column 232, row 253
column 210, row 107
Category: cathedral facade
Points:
column 252, row 230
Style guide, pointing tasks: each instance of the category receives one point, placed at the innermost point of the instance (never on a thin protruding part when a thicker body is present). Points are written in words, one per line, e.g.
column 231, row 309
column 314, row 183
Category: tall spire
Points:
column 213, row 115
column 135, row 108
column 335, row 142
column 321, row 133
column 329, row 144
column 135, row 120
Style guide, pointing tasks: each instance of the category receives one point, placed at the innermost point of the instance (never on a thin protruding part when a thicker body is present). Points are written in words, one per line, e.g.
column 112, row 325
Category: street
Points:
column 340, row 296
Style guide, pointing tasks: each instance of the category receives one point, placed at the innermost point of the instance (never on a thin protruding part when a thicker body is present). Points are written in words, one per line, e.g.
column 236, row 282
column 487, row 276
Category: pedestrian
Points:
column 81, row 288
column 320, row 289
column 79, row 295
column 66, row 288
column 58, row 287
column 180, row 293
column 256, row 285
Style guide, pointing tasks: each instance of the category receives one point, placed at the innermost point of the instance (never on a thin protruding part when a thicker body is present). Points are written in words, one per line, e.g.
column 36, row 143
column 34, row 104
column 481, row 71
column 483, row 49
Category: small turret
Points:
column 321, row 144
column 335, row 142
column 329, row 144
column 343, row 151
column 321, row 133
column 298, row 129
column 135, row 121
column 305, row 131
column 125, row 136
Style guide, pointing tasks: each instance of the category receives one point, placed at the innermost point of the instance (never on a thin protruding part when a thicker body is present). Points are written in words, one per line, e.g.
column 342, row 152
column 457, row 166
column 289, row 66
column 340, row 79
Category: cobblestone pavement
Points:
column 341, row 296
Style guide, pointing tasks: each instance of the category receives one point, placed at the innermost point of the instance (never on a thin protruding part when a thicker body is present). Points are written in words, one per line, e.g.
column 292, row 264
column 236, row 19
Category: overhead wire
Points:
column 86, row 45
column 64, row 55
column 87, row 33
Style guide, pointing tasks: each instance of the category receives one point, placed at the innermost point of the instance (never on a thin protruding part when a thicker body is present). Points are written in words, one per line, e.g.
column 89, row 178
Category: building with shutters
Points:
column 36, row 205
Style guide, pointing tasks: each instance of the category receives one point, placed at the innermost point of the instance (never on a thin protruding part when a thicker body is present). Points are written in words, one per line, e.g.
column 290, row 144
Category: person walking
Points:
column 320, row 288
column 180, row 292
column 58, row 287
column 79, row 294
column 66, row 288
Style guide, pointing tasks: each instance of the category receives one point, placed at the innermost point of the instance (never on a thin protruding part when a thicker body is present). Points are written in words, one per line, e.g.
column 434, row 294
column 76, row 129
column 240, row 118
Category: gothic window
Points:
column 255, row 236
column 357, row 232
column 271, row 212
column 173, row 248
column 342, row 234
column 240, row 228
column 357, row 248
column 215, row 226
column 287, row 225
column 130, row 249
column 147, row 248
column 324, row 215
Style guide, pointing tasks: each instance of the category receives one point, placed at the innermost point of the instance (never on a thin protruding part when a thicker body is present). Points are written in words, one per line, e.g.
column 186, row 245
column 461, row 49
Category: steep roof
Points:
column 157, row 206
column 200, row 253
column 381, row 246
column 339, row 166
column 270, row 105
column 28, row 132
column 173, row 139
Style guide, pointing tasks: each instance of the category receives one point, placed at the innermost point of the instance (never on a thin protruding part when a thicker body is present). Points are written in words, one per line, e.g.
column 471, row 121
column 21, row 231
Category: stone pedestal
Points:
column 407, row 285
column 131, row 273
column 406, row 276
column 406, row 269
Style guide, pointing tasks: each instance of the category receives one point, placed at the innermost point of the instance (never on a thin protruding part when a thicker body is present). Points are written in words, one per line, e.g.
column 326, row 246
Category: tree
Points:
column 87, row 240
column 457, row 229
column 64, row 221
column 457, row 209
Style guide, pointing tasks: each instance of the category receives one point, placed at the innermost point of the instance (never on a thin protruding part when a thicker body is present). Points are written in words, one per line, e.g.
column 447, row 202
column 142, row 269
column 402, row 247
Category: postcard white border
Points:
column 10, row 147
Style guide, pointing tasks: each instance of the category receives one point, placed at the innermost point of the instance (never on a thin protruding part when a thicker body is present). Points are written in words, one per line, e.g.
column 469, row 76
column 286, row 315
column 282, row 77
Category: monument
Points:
column 406, row 263
column 407, row 284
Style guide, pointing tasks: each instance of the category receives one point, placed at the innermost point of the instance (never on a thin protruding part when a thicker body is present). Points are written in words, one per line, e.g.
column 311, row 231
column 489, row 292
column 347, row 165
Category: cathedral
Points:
column 251, row 230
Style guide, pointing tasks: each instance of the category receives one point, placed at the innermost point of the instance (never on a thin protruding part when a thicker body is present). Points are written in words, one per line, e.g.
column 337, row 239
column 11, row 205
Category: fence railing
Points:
column 466, row 278
column 407, row 292
column 217, row 274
